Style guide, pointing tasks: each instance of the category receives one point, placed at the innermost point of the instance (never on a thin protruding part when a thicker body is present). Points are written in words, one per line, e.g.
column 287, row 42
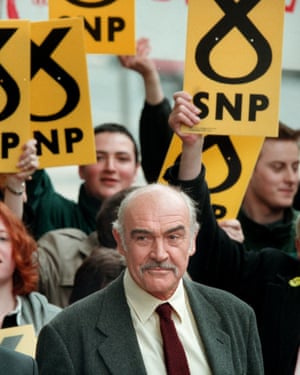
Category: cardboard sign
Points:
column 60, row 104
column 229, row 163
column 14, row 91
column 228, row 156
column 21, row 339
column 233, row 65
column 109, row 24
column 173, row 29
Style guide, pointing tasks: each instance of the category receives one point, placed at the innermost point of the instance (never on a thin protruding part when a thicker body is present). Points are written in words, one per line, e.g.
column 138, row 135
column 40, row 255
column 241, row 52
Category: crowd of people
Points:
column 96, row 277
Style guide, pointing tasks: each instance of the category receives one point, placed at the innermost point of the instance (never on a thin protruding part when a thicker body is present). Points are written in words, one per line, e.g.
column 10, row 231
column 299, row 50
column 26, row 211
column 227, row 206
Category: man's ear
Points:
column 118, row 240
column 192, row 249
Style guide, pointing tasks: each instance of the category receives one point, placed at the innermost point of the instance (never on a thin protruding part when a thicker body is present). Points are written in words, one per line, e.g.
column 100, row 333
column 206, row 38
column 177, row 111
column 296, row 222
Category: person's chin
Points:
column 108, row 191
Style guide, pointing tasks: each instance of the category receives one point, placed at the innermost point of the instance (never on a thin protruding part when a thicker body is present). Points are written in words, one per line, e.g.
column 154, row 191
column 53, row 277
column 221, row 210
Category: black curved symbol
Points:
column 8, row 84
column 235, row 17
column 97, row 4
column 41, row 60
column 231, row 158
column 12, row 92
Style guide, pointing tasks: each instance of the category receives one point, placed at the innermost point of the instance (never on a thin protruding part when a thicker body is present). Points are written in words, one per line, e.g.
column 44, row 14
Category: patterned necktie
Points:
column 175, row 358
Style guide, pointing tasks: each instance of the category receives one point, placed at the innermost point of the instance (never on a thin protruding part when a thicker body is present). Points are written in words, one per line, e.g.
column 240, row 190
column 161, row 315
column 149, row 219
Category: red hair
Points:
column 25, row 277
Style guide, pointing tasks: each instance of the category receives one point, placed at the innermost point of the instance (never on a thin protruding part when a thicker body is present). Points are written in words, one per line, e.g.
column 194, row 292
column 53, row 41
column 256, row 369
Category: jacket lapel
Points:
column 118, row 345
column 217, row 343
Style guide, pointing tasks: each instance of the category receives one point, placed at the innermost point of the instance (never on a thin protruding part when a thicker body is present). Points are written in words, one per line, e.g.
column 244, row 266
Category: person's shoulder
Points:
column 80, row 314
column 221, row 299
column 88, row 309
column 16, row 363
column 40, row 302
column 64, row 233
column 279, row 260
column 58, row 239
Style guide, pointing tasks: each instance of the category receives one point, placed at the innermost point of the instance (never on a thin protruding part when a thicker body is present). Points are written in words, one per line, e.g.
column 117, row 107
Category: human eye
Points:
column 100, row 157
column 277, row 167
column 295, row 167
column 142, row 239
column 124, row 158
column 174, row 238
column 4, row 237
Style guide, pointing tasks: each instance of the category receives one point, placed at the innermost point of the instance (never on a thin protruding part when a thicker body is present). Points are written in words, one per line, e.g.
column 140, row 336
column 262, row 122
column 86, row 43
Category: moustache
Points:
column 162, row 265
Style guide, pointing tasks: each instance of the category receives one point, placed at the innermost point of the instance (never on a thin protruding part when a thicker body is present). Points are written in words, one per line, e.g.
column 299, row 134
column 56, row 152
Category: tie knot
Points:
column 164, row 310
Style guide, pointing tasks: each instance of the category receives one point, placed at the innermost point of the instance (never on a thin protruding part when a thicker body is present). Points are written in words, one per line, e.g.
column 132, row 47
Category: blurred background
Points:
column 117, row 94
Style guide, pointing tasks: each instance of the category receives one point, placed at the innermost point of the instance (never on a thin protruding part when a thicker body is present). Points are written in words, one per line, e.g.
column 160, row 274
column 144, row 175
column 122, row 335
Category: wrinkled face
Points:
column 275, row 178
column 116, row 168
column 158, row 242
column 7, row 264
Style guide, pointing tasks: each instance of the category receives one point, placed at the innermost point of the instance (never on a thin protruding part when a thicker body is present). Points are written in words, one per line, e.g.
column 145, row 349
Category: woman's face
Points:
column 7, row 263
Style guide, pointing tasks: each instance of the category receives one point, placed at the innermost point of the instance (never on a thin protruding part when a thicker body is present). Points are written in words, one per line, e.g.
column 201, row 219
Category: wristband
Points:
column 16, row 192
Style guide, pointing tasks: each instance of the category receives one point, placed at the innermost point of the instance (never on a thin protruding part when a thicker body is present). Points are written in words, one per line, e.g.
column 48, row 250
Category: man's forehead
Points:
column 166, row 212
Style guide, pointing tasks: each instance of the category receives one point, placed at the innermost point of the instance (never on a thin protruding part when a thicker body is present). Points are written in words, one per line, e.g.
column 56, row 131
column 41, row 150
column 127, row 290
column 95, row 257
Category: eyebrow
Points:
column 140, row 231
column 145, row 231
column 117, row 152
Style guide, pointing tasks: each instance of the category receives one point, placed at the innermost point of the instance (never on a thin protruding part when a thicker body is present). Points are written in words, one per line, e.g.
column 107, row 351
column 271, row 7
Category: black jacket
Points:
column 268, row 280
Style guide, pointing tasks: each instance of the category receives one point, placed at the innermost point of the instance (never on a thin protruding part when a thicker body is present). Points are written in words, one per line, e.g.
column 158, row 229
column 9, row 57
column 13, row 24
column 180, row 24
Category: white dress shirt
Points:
column 146, row 322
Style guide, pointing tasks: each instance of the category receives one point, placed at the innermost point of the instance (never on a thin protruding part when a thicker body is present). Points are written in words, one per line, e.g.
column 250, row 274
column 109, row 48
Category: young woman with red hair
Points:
column 20, row 304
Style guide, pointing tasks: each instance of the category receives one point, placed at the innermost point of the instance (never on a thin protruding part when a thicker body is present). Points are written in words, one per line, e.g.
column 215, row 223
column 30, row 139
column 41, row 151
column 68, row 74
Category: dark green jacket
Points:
column 280, row 234
column 52, row 210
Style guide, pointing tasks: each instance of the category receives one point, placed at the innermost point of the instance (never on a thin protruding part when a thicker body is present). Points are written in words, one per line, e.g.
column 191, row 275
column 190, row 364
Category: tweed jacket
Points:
column 15, row 363
column 96, row 335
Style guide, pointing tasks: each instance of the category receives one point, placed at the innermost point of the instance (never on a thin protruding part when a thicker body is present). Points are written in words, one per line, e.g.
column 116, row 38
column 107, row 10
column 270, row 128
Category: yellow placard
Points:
column 233, row 65
column 14, row 91
column 229, row 163
column 21, row 339
column 109, row 24
column 60, row 101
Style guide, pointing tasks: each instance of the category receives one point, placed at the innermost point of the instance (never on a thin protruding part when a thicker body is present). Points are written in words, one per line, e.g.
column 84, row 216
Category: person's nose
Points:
column 158, row 251
column 110, row 164
column 291, row 175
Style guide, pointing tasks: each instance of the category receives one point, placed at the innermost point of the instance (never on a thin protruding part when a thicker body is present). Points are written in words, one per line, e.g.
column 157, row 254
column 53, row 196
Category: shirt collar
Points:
column 144, row 304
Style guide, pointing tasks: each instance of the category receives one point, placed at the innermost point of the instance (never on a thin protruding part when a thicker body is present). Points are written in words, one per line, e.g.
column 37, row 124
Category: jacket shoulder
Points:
column 222, row 300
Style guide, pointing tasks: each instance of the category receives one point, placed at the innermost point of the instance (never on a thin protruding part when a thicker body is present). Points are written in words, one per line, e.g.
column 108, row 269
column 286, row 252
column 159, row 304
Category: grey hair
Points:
column 119, row 223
